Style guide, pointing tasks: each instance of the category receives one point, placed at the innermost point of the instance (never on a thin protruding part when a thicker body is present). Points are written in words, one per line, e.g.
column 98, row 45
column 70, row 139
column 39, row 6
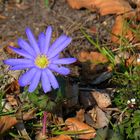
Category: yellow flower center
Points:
column 42, row 61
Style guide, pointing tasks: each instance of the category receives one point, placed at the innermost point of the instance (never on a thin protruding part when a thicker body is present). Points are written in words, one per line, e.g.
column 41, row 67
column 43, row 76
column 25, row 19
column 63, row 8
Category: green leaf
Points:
column 137, row 134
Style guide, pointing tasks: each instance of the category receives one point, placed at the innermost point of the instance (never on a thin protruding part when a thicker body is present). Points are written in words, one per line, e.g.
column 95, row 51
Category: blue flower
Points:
column 40, row 58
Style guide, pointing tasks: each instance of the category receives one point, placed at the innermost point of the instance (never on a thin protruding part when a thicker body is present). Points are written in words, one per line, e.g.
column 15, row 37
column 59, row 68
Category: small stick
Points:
column 44, row 123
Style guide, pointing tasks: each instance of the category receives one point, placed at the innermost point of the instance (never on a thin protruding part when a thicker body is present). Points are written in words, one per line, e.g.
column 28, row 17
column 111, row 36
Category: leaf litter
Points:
column 93, row 107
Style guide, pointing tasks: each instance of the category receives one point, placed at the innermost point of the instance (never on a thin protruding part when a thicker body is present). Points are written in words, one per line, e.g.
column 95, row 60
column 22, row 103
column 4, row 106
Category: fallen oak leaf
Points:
column 82, row 130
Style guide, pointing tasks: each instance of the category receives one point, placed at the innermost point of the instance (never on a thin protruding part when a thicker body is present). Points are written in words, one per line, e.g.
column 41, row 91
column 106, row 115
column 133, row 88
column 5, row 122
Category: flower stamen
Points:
column 42, row 61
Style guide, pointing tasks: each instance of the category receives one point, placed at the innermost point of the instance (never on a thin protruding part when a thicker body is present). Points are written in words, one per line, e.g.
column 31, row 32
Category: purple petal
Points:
column 52, row 79
column 25, row 46
column 41, row 42
column 47, row 39
column 13, row 62
column 61, row 70
column 26, row 78
column 60, row 48
column 54, row 58
column 21, row 67
column 57, row 43
column 35, row 81
column 32, row 40
column 22, row 53
column 64, row 61
column 45, row 82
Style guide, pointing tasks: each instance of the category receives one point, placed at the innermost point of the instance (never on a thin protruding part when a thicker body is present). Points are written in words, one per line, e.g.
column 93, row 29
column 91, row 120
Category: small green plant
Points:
column 46, row 3
column 126, row 80
column 127, row 98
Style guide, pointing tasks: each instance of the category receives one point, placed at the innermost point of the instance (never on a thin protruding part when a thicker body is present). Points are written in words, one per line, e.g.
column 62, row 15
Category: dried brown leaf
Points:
column 80, row 115
column 12, row 100
column 6, row 122
column 118, row 30
column 2, row 17
column 103, row 100
column 104, row 7
column 133, row 60
column 122, row 8
column 29, row 115
column 93, row 57
column 13, row 87
column 101, row 119
column 8, row 50
column 75, row 125
column 97, row 117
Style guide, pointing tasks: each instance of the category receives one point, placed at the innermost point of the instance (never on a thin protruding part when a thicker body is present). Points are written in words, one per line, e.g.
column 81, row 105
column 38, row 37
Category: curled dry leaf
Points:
column 99, row 117
column 29, row 115
column 83, row 56
column 93, row 64
column 121, row 56
column 137, row 2
column 130, row 60
column 61, row 137
column 23, row 6
column 133, row 60
column 41, row 136
column 86, row 132
column 9, row 50
column 13, row 87
column 6, row 106
column 118, row 30
column 93, row 57
column 102, row 119
column 2, row 17
column 104, row 7
column 103, row 100
column 6, row 125
column 80, row 115
column 11, row 99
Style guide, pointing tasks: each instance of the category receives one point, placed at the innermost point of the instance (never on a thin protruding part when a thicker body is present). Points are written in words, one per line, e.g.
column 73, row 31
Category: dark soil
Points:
column 37, row 16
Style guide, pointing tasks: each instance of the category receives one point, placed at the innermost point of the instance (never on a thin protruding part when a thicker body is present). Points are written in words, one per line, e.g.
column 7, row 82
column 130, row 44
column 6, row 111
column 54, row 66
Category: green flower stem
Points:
column 44, row 123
